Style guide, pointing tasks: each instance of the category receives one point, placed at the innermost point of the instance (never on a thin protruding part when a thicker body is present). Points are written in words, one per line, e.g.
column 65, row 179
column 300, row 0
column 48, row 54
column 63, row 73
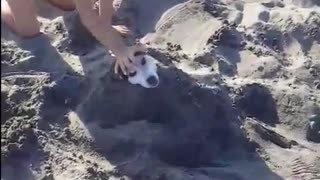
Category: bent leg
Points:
column 21, row 17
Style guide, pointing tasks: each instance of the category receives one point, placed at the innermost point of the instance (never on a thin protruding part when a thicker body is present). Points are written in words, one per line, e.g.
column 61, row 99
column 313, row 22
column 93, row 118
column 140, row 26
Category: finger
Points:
column 128, row 65
column 116, row 68
column 123, row 69
column 134, row 60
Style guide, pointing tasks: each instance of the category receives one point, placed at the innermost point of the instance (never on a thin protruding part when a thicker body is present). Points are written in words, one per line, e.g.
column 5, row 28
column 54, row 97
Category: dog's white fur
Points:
column 145, row 71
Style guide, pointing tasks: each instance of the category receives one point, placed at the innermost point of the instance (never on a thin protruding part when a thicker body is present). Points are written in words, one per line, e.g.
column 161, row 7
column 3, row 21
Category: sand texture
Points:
column 238, row 99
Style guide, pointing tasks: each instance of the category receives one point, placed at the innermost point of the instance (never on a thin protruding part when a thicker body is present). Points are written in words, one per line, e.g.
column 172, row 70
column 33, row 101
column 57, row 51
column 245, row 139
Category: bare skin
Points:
column 21, row 17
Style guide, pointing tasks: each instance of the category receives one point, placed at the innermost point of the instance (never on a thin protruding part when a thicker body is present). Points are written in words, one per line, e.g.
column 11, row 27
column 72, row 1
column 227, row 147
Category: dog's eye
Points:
column 132, row 73
column 143, row 61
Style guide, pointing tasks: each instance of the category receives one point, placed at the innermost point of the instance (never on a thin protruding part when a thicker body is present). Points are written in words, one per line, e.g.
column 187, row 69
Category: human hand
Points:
column 126, row 60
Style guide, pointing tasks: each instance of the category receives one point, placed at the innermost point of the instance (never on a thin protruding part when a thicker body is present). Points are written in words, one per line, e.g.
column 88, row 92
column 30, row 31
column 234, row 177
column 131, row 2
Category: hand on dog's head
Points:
column 144, row 72
column 120, row 75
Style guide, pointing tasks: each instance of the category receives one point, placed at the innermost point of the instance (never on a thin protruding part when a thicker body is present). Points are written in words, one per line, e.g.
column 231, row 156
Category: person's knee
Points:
column 21, row 17
column 6, row 14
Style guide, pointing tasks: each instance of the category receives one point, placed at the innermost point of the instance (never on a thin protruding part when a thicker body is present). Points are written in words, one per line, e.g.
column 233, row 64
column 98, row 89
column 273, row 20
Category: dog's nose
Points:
column 152, row 80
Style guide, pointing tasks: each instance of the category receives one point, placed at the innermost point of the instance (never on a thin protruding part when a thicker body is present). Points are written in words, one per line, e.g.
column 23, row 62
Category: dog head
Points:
column 144, row 72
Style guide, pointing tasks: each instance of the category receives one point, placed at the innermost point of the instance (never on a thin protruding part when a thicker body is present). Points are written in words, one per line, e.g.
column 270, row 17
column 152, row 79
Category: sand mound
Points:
column 238, row 96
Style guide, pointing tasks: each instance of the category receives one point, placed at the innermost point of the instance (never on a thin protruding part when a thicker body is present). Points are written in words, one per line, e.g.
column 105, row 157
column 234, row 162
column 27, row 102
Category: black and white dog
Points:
column 145, row 72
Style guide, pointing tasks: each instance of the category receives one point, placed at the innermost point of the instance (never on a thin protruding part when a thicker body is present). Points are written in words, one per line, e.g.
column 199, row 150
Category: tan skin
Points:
column 21, row 16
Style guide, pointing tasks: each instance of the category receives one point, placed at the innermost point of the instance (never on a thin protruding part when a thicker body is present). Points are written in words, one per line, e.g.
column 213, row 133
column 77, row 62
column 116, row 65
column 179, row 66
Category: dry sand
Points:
column 239, row 96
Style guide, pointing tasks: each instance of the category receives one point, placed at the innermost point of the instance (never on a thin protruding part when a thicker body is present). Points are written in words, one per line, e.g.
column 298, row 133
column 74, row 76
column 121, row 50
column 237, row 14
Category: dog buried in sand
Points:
column 144, row 73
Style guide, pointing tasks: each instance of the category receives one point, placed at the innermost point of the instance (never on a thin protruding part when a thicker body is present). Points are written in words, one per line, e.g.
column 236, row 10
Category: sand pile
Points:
column 238, row 98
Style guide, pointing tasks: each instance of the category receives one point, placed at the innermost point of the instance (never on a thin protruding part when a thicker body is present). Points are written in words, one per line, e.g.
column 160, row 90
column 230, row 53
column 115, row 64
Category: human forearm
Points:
column 99, row 24
column 108, row 37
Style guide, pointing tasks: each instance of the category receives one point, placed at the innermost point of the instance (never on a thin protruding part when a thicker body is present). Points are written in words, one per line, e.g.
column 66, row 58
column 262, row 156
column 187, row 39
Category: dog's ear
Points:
column 139, row 53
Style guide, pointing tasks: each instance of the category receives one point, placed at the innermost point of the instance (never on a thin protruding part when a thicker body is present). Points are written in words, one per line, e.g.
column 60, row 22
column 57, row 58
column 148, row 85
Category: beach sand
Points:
column 238, row 99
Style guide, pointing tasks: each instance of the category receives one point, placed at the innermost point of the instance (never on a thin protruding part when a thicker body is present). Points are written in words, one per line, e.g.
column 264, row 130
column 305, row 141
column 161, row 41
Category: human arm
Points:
column 100, row 25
